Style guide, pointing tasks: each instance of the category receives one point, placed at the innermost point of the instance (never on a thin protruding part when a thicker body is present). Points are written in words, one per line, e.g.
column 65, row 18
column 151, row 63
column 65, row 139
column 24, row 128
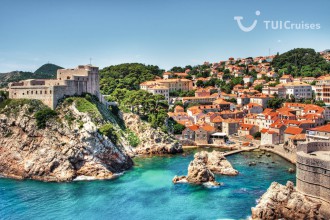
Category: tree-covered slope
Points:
column 47, row 70
column 127, row 75
column 302, row 62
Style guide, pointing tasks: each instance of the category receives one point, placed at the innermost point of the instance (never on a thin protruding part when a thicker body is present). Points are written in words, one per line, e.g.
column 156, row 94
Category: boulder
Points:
column 218, row 163
column 284, row 202
column 200, row 170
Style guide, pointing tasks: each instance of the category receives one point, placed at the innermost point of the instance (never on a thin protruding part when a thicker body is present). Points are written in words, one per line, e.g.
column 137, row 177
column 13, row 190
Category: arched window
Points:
column 50, row 91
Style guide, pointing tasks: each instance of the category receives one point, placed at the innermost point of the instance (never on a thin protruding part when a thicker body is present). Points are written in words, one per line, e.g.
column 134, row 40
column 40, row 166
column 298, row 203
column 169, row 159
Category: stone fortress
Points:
column 69, row 82
column 313, row 171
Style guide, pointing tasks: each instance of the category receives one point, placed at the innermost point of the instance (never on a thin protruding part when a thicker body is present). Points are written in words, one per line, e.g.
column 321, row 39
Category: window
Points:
column 50, row 91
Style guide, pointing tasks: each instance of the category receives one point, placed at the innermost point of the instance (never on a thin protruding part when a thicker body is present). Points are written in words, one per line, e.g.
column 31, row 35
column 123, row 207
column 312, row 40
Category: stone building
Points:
column 69, row 82
column 313, row 171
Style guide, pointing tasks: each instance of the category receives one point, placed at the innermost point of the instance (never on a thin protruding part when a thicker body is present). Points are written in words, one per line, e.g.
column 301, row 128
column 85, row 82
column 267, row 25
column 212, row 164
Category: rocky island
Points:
column 201, row 169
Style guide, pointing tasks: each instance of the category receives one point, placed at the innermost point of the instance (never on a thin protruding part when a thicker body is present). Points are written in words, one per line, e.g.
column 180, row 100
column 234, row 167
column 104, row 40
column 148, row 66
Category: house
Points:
column 269, row 137
column 202, row 92
column 298, row 90
column 230, row 126
column 189, row 132
column 286, row 79
column 216, row 122
column 248, row 79
column 223, row 105
column 253, row 108
column 291, row 131
column 260, row 99
column 202, row 134
column 247, row 129
column 278, row 90
column 243, row 99
column 294, row 140
column 321, row 133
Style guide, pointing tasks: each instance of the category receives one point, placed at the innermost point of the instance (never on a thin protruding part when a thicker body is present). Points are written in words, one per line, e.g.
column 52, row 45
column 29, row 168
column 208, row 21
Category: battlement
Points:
column 313, row 169
column 69, row 82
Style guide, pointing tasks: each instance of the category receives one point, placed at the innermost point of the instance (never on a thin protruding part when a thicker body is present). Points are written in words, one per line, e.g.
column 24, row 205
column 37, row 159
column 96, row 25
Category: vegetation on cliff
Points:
column 126, row 76
column 149, row 107
column 301, row 62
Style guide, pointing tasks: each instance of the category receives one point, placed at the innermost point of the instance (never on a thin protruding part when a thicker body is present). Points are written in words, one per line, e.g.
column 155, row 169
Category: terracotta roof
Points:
column 208, row 128
column 293, row 130
column 298, row 137
column 178, row 107
column 193, row 127
column 246, row 127
column 324, row 128
column 217, row 119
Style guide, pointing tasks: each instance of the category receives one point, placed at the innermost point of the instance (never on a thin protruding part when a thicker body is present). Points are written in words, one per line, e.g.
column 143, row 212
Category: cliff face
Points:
column 284, row 202
column 152, row 141
column 69, row 146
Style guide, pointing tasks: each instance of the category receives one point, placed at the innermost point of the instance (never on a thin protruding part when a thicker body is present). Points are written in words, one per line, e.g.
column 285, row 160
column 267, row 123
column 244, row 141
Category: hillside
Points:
column 46, row 71
column 301, row 62
column 127, row 75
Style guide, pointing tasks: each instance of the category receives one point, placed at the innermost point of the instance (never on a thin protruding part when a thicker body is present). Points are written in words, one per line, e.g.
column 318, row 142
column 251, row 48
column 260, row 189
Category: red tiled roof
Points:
column 293, row 130
column 324, row 128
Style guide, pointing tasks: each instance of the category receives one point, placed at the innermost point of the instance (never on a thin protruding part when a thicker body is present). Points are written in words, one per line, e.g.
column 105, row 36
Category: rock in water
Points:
column 284, row 202
column 152, row 141
column 63, row 150
column 201, row 169
column 198, row 171
column 218, row 163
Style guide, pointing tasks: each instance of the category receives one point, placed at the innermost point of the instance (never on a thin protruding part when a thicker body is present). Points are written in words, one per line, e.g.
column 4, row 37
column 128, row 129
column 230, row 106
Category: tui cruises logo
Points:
column 277, row 25
column 242, row 27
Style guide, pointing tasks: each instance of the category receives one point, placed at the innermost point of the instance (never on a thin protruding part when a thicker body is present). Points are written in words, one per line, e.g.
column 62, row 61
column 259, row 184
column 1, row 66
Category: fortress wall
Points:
column 313, row 174
column 43, row 93
column 69, row 82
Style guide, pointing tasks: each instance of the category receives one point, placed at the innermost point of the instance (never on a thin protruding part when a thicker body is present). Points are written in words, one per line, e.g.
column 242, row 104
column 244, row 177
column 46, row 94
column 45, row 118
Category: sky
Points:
column 166, row 33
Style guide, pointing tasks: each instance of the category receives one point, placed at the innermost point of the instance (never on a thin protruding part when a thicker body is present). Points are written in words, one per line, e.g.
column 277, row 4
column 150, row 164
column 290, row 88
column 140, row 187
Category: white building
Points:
column 298, row 90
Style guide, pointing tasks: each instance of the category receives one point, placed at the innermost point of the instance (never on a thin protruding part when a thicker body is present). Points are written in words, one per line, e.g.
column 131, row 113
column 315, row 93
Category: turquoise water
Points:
column 146, row 192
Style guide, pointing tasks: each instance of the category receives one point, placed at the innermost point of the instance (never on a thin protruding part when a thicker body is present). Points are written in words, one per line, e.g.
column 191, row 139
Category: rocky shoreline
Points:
column 62, row 151
column 285, row 202
column 152, row 141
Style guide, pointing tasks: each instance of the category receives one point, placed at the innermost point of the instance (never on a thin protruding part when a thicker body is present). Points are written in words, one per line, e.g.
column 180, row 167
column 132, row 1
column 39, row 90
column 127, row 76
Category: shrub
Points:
column 43, row 115
column 133, row 139
column 109, row 131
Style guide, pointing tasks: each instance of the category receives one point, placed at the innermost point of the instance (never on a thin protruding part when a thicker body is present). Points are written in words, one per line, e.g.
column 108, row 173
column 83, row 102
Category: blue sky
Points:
column 166, row 33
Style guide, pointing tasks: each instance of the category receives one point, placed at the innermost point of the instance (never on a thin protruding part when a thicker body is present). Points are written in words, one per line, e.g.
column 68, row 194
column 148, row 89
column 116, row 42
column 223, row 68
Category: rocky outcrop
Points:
column 198, row 172
column 70, row 146
column 152, row 141
column 284, row 202
column 218, row 163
